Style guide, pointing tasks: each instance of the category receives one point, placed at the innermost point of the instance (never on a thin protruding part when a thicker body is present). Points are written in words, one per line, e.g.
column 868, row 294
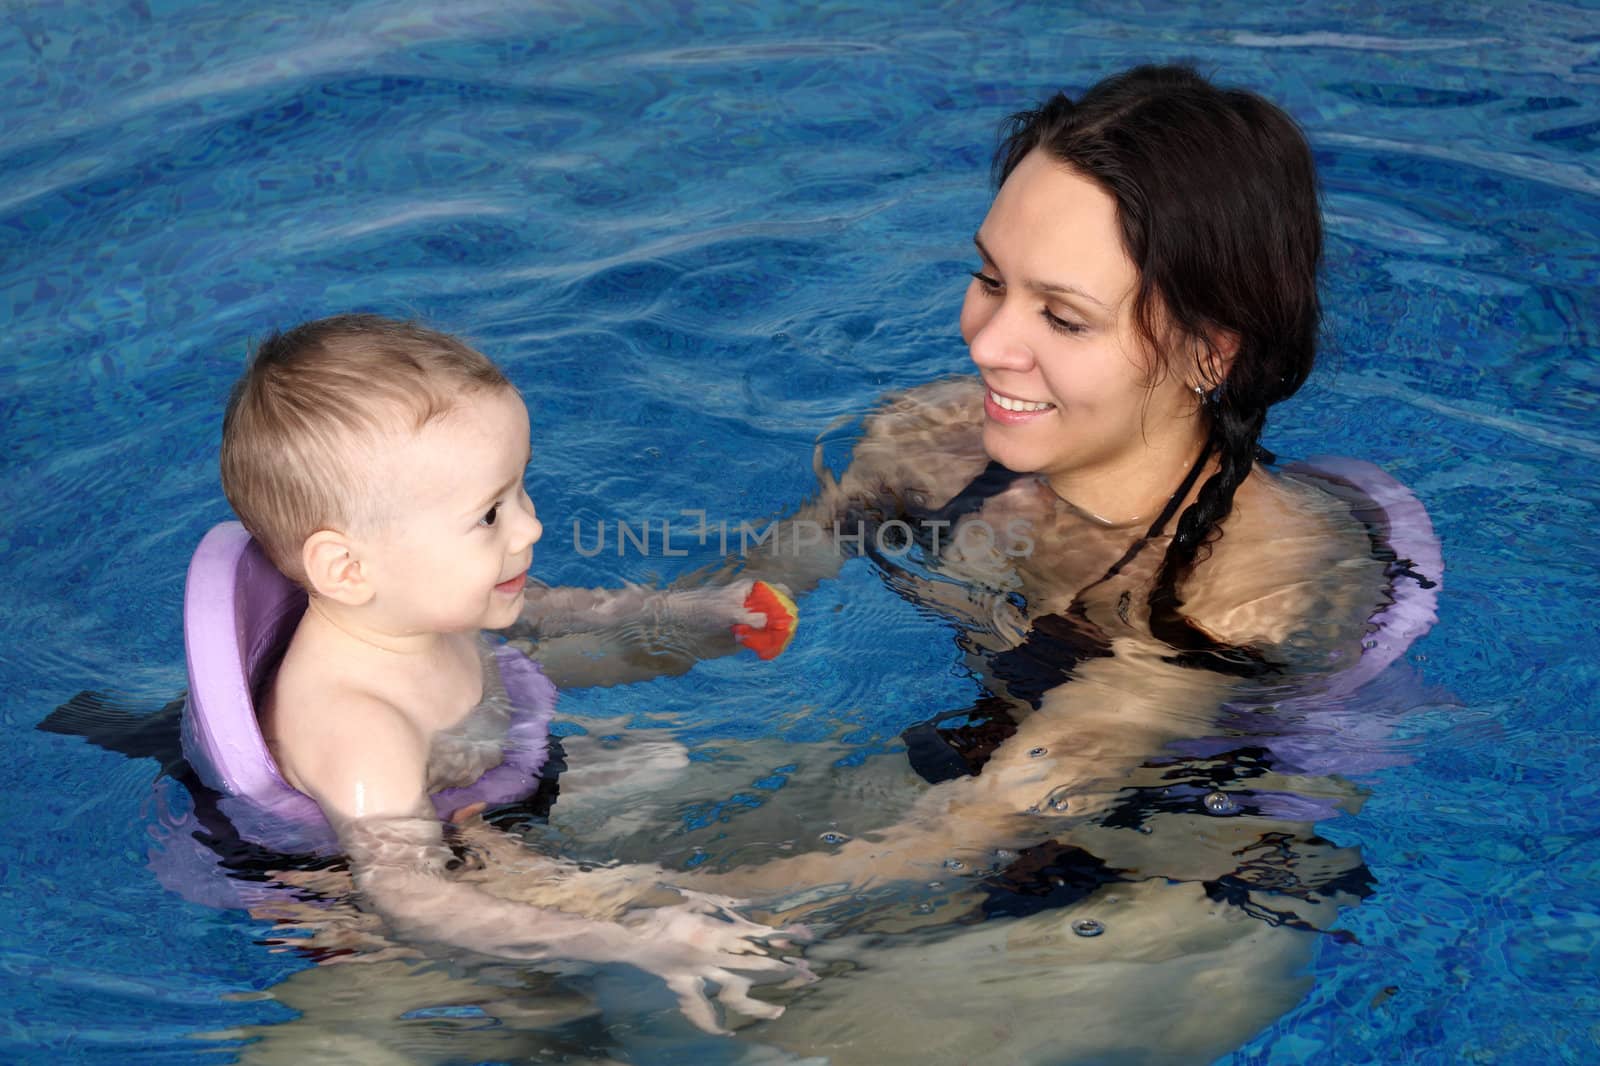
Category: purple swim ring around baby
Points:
column 239, row 613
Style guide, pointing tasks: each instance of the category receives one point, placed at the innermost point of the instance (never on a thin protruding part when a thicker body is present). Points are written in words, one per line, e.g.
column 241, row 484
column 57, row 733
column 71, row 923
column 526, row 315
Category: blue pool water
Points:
column 695, row 235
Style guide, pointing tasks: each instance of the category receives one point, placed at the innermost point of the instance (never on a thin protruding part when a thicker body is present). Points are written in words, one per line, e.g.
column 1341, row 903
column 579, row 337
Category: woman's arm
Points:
column 1067, row 760
column 1266, row 582
column 368, row 772
column 407, row 873
column 916, row 451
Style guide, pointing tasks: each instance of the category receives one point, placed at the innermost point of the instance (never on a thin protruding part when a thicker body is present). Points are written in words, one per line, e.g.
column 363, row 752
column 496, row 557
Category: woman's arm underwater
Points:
column 374, row 794
column 1286, row 577
column 1067, row 761
column 408, row 873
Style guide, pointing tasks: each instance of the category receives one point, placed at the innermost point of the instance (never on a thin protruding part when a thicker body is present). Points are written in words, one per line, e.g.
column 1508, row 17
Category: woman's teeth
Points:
column 1008, row 404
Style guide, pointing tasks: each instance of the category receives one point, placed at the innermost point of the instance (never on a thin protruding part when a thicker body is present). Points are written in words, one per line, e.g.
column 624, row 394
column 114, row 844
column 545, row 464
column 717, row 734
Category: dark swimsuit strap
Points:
column 1173, row 503
column 960, row 742
column 1056, row 643
column 995, row 479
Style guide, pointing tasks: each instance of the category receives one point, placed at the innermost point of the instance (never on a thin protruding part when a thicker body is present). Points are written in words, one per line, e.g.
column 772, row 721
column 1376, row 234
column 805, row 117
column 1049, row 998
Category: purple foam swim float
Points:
column 1339, row 722
column 1403, row 534
column 238, row 615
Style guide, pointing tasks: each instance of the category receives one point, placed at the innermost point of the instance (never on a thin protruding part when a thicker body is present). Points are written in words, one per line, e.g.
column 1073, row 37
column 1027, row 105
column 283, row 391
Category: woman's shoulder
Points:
column 1293, row 568
column 928, row 438
column 941, row 404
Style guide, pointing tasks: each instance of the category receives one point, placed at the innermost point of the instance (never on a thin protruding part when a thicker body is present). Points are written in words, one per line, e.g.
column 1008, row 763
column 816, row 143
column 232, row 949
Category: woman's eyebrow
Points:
column 1046, row 288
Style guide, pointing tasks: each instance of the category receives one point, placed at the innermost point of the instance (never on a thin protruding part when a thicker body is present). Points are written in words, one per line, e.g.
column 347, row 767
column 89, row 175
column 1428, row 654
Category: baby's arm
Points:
column 927, row 437
column 369, row 777
column 683, row 613
column 584, row 637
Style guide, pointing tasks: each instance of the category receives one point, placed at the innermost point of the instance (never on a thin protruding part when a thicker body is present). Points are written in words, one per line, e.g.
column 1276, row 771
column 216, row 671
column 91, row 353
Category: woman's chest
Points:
column 995, row 557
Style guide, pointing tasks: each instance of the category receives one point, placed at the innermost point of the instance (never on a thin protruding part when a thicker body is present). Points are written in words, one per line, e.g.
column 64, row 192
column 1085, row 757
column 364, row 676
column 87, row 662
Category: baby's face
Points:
column 454, row 550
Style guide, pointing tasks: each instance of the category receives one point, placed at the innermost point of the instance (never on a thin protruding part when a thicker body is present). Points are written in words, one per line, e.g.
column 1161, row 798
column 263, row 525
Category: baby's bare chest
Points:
column 470, row 737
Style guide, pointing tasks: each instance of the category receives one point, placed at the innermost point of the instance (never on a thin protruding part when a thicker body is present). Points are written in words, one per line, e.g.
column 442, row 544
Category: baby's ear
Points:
column 333, row 569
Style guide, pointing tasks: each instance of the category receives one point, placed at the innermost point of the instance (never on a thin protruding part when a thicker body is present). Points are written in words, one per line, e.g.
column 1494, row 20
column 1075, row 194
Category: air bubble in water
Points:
column 831, row 837
column 1034, row 753
column 954, row 864
column 1220, row 803
column 1059, row 800
column 1087, row 927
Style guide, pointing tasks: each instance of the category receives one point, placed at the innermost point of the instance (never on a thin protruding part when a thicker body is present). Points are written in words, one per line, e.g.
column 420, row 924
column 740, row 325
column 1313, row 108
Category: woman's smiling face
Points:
column 1073, row 392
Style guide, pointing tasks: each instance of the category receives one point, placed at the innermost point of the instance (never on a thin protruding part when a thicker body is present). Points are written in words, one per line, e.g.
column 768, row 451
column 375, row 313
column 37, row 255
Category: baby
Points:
column 380, row 465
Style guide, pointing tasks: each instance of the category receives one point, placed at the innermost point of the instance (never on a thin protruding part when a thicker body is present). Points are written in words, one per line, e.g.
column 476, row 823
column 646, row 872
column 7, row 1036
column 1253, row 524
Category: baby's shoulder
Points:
column 323, row 718
column 356, row 753
column 333, row 708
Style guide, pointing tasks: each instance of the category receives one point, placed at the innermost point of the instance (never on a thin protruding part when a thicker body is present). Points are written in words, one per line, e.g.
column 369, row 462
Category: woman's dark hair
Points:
column 1216, row 197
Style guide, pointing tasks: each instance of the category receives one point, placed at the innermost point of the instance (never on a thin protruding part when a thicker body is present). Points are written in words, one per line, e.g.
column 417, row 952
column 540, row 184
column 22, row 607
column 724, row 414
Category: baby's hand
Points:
column 714, row 608
column 759, row 615
column 702, row 940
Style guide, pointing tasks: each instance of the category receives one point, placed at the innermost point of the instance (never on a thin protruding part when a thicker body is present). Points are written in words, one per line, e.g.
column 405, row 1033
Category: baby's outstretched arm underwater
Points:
column 586, row 637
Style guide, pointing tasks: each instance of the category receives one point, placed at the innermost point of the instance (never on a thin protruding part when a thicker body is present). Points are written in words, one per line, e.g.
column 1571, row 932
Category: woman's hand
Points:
column 704, row 939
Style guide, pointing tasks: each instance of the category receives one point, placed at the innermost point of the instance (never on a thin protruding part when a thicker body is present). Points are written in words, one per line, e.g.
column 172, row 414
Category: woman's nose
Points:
column 997, row 343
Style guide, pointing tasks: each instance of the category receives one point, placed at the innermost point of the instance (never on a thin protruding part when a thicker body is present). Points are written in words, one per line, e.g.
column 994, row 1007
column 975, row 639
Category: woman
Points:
column 1093, row 512
column 1091, row 507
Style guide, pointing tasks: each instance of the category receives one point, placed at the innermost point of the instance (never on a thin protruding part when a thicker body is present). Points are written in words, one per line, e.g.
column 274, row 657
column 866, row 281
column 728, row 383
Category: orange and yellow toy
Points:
column 783, row 618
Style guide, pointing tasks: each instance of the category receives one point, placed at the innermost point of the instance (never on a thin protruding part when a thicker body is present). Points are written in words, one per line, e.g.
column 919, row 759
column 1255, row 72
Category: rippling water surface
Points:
column 696, row 235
